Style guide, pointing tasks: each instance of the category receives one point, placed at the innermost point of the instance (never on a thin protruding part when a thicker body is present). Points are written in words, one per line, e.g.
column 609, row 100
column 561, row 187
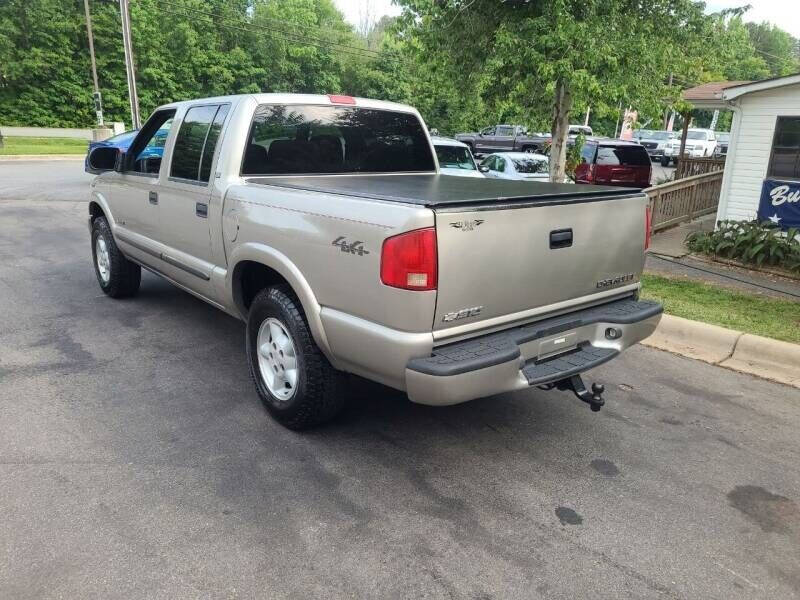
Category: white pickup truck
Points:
column 323, row 223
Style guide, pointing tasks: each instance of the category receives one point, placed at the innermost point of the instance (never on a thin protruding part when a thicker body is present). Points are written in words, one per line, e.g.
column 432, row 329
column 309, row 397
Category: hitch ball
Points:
column 613, row 333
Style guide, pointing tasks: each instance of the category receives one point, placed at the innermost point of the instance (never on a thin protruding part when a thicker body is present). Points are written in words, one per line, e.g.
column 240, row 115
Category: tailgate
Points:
column 506, row 262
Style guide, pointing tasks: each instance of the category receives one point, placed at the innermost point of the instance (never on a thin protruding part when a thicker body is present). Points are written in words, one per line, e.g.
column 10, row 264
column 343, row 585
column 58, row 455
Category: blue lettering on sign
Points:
column 780, row 203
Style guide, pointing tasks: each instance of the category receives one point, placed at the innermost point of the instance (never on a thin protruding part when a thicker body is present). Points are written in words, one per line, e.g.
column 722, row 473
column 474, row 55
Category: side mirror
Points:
column 103, row 159
column 483, row 169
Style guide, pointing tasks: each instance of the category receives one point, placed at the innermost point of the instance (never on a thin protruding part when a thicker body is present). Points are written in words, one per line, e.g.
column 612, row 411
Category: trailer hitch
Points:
column 575, row 384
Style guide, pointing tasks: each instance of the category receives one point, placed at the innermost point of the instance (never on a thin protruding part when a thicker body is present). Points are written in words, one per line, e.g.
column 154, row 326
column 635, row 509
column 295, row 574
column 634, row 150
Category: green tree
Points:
column 540, row 59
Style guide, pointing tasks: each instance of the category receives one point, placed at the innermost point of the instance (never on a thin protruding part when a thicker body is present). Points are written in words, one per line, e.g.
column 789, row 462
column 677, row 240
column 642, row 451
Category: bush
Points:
column 750, row 242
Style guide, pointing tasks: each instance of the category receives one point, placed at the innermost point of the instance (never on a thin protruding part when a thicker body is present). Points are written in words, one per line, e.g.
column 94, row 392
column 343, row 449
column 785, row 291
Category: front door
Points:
column 134, row 197
column 184, row 197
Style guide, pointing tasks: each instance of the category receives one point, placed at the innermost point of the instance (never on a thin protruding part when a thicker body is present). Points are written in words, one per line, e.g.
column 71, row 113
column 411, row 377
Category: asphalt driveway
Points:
column 136, row 461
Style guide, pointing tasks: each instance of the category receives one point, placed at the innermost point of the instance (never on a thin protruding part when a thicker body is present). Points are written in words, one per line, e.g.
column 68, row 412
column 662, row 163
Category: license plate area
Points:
column 557, row 344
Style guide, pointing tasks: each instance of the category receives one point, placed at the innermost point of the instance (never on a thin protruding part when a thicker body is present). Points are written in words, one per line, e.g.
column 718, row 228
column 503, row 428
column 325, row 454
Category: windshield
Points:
column 696, row 135
column 530, row 165
column 455, row 157
column 723, row 137
column 290, row 139
column 661, row 135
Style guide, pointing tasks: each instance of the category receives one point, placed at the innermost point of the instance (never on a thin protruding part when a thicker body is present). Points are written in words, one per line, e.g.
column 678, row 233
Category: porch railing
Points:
column 687, row 167
column 683, row 199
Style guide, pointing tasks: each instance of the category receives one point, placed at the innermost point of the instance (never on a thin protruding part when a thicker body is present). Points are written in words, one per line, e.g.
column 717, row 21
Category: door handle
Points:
column 201, row 209
column 153, row 196
column 561, row 238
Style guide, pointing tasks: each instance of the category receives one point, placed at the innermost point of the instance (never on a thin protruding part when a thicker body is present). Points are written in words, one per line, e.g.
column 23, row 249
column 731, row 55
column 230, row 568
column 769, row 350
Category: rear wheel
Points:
column 295, row 381
column 118, row 277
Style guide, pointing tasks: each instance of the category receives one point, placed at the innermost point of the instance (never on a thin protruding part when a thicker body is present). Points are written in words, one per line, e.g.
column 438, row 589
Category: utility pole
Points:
column 133, row 97
column 98, row 99
column 666, row 110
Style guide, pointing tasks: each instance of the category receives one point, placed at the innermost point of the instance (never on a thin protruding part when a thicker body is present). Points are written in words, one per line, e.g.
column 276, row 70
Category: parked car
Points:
column 576, row 130
column 700, row 143
column 122, row 141
column 522, row 166
column 454, row 158
column 655, row 142
column 723, row 139
column 614, row 162
column 321, row 222
column 503, row 138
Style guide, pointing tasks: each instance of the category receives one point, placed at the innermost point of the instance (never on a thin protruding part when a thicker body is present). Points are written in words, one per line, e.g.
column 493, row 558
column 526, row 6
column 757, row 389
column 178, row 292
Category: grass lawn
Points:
column 36, row 145
column 769, row 317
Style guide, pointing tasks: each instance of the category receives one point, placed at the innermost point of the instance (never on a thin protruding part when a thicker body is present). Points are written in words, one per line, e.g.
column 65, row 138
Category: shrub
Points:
column 750, row 242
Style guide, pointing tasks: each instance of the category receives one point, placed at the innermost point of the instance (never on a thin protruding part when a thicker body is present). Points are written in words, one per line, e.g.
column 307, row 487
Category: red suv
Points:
column 614, row 162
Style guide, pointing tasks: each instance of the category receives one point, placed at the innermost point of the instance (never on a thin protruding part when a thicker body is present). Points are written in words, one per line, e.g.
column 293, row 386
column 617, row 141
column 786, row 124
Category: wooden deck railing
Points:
column 687, row 167
column 683, row 199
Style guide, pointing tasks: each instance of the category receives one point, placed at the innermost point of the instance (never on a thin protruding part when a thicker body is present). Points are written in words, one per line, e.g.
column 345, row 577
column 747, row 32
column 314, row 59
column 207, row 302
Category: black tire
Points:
column 664, row 161
column 125, row 276
column 319, row 394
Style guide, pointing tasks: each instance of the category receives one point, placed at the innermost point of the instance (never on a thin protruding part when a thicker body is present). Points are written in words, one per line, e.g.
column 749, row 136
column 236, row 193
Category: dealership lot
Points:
column 136, row 460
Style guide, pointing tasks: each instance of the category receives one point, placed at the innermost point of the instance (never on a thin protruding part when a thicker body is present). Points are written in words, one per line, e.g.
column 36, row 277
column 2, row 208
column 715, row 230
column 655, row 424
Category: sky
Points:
column 783, row 13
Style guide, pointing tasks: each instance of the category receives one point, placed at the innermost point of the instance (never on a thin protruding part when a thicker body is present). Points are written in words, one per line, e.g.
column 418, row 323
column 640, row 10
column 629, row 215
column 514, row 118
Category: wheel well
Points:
column 249, row 278
column 95, row 210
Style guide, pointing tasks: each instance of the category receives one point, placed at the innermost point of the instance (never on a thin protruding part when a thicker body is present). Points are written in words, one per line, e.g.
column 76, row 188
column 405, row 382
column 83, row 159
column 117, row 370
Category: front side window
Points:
column 196, row 142
column 488, row 131
column 489, row 163
column 501, row 164
column 455, row 157
column 313, row 139
column 587, row 153
column 785, row 160
column 147, row 149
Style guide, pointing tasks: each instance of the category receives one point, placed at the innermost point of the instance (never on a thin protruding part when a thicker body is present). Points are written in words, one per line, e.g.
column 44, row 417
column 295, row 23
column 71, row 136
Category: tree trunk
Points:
column 560, row 131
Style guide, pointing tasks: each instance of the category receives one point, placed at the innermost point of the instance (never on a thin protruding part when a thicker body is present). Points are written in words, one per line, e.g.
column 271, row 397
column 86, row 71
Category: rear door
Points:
column 622, row 165
column 185, row 194
column 504, row 138
column 498, row 264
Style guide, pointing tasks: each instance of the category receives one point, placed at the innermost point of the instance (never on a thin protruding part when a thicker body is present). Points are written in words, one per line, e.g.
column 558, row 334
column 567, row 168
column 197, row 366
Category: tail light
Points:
column 648, row 221
column 408, row 260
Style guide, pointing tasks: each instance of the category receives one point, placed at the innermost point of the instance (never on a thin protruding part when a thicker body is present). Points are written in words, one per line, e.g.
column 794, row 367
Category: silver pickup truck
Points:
column 322, row 222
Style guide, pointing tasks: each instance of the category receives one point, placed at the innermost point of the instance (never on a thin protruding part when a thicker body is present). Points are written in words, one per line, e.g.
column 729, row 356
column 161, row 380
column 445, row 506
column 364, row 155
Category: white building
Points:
column 764, row 150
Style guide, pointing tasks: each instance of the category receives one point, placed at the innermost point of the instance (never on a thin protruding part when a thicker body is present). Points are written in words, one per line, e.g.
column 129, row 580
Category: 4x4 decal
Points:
column 356, row 247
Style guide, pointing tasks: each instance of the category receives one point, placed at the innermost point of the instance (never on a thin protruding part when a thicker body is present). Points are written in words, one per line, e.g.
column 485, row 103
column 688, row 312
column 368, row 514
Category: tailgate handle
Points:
column 561, row 238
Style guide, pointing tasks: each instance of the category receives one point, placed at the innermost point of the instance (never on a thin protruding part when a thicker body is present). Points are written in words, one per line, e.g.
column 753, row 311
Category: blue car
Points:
column 123, row 141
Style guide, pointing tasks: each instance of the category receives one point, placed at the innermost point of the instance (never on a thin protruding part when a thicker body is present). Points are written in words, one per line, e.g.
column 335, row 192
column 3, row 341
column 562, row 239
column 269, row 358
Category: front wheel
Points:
column 664, row 161
column 295, row 381
column 118, row 277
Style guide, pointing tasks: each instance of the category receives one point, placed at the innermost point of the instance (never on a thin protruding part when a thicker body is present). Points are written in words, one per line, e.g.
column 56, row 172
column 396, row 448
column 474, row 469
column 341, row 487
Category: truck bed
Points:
column 447, row 190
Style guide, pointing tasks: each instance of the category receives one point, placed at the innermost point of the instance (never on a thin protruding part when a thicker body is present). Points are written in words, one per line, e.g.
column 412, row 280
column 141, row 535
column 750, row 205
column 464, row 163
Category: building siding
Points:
column 748, row 168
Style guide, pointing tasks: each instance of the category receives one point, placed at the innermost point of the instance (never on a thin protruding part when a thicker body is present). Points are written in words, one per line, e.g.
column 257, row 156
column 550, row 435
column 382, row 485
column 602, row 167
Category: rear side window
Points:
column 196, row 141
column 626, row 156
column 295, row 139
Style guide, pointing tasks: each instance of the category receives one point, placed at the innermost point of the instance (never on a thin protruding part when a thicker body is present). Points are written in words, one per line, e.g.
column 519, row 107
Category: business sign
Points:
column 780, row 203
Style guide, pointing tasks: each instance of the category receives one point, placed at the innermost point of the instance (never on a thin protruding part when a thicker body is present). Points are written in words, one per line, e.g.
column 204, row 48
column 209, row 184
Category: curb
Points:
column 15, row 157
column 743, row 352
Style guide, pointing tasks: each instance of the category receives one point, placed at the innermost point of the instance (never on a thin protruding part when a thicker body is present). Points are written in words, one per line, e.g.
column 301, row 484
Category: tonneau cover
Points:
column 444, row 190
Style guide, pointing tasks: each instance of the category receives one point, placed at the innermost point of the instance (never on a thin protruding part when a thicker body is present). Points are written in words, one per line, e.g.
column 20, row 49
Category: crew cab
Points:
column 700, row 143
column 324, row 224
column 504, row 138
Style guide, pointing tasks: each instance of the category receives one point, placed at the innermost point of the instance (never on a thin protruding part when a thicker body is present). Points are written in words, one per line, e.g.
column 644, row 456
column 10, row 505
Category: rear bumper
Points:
column 534, row 354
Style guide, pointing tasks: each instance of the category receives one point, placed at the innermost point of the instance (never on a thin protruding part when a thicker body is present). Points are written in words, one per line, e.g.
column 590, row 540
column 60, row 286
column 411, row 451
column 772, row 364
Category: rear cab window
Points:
column 196, row 142
column 626, row 156
column 322, row 139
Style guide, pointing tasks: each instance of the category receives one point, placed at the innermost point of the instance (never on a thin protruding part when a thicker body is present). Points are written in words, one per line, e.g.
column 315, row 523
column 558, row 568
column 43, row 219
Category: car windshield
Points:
column 530, row 165
column 290, row 139
column 661, row 135
column 696, row 135
column 455, row 157
column 629, row 156
column 723, row 137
